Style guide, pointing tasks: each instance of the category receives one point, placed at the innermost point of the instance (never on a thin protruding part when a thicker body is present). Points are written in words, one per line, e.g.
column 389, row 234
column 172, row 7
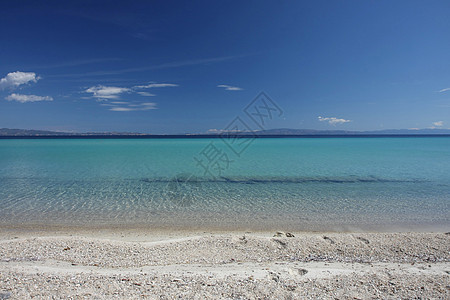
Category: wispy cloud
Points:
column 192, row 62
column 107, row 94
column 146, row 94
column 229, row 87
column 135, row 107
column 333, row 121
column 176, row 64
column 155, row 85
column 102, row 92
column 444, row 90
column 27, row 98
column 74, row 63
column 16, row 79
column 438, row 124
column 117, row 108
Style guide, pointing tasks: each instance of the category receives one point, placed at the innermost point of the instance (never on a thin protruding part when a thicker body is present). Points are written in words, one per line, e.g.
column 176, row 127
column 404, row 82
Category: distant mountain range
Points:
column 6, row 132
column 27, row 132
column 287, row 131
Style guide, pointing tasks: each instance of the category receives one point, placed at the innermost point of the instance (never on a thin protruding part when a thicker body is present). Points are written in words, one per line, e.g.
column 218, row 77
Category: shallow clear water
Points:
column 291, row 183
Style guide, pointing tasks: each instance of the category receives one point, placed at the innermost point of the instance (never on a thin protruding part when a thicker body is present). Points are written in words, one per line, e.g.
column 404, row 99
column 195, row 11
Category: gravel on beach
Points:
column 227, row 265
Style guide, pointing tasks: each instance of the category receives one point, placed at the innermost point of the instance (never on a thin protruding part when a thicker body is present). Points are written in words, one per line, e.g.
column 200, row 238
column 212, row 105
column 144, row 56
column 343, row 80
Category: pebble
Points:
column 225, row 249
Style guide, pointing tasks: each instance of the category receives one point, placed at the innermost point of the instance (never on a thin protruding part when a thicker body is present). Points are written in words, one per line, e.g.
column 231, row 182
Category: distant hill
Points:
column 25, row 132
column 29, row 132
column 287, row 131
column 411, row 131
column 6, row 132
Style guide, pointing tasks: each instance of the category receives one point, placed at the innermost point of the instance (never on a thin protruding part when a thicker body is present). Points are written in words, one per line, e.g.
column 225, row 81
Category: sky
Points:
column 171, row 67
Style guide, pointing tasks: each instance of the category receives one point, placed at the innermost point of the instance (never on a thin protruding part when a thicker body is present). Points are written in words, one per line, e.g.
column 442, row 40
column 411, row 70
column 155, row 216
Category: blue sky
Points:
column 178, row 66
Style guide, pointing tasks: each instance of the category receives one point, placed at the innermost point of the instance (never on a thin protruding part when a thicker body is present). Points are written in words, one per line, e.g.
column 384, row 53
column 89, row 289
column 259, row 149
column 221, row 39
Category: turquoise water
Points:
column 286, row 183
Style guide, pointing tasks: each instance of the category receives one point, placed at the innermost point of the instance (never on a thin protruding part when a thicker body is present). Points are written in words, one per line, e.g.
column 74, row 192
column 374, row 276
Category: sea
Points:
column 296, row 184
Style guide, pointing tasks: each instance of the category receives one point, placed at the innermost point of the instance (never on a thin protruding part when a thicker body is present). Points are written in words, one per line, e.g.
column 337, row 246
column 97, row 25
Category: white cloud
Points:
column 333, row 121
column 106, row 92
column 135, row 107
column 121, row 109
column 102, row 92
column 27, row 98
column 15, row 79
column 110, row 96
column 444, row 90
column 146, row 94
column 229, row 87
column 438, row 124
column 155, row 85
column 149, row 105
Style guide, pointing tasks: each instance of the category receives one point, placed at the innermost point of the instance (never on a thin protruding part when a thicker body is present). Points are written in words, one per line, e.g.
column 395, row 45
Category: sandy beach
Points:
column 224, row 149
column 132, row 264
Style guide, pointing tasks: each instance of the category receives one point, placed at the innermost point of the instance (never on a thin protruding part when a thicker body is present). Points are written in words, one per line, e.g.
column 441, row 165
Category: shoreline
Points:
column 187, row 228
column 193, row 264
